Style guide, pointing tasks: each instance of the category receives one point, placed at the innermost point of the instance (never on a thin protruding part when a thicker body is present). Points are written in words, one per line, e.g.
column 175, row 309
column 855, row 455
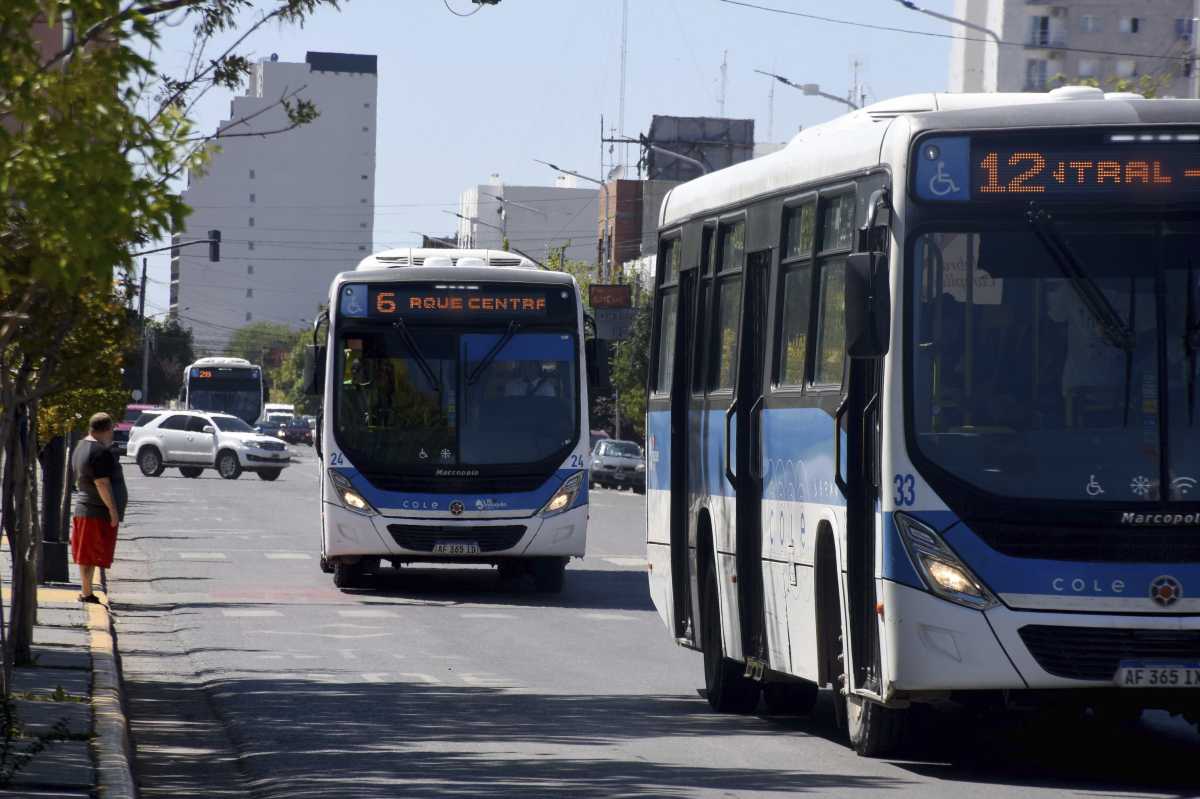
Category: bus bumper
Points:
column 935, row 646
column 348, row 534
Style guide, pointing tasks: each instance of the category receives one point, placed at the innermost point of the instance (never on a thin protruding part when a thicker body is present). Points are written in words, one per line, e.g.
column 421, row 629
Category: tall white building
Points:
column 294, row 208
column 534, row 219
column 1048, row 44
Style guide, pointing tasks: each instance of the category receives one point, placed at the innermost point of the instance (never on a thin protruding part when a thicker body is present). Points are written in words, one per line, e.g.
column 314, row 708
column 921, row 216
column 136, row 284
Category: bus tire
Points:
column 191, row 471
column 549, row 575
column 874, row 730
column 150, row 461
column 269, row 474
column 326, row 566
column 790, row 698
column 349, row 575
column 228, row 465
column 727, row 688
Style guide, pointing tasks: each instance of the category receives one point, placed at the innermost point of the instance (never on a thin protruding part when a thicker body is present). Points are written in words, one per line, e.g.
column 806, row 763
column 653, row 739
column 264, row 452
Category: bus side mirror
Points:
column 596, row 354
column 868, row 305
column 314, row 369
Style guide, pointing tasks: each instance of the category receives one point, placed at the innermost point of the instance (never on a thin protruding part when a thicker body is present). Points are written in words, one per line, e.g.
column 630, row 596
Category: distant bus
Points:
column 455, row 416
column 225, row 385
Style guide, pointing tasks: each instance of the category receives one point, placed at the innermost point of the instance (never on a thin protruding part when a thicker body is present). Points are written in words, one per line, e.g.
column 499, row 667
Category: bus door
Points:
column 682, row 565
column 750, row 397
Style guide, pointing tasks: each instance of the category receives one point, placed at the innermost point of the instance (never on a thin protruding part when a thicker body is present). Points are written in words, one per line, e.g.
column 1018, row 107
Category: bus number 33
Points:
column 906, row 490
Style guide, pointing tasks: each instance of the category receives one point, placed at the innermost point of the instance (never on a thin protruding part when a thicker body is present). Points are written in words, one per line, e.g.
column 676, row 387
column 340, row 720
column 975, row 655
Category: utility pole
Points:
column 145, row 338
column 624, row 59
column 724, row 79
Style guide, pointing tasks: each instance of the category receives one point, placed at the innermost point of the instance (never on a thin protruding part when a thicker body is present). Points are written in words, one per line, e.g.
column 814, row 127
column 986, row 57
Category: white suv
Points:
column 194, row 441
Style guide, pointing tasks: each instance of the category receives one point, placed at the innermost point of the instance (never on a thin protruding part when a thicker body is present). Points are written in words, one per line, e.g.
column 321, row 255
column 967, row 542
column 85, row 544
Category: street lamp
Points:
column 644, row 142
column 603, row 187
column 810, row 89
column 474, row 220
column 909, row 4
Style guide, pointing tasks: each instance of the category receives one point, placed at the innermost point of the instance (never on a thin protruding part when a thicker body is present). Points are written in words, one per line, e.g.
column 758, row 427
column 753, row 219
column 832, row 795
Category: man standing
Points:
column 100, row 502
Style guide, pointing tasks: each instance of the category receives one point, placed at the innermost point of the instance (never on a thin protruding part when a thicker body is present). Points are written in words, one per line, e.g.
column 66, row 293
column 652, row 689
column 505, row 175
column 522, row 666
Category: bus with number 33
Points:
column 923, row 419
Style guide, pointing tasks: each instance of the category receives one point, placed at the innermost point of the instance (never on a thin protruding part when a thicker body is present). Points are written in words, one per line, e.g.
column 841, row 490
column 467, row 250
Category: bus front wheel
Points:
column 350, row 575
column 549, row 574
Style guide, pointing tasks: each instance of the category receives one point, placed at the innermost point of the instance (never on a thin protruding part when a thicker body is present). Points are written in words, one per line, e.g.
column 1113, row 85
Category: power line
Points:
column 930, row 34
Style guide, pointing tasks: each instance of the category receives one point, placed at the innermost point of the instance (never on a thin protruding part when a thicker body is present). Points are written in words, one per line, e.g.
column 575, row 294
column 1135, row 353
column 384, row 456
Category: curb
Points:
column 110, row 746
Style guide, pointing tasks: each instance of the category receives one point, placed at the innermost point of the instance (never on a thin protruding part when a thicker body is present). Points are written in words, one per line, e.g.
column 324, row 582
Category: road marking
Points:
column 487, row 616
column 639, row 563
column 367, row 613
column 288, row 556
column 245, row 613
column 484, row 680
column 608, row 617
column 270, row 657
column 202, row 555
column 428, row 679
column 334, row 636
column 323, row 677
column 375, row 676
column 348, row 654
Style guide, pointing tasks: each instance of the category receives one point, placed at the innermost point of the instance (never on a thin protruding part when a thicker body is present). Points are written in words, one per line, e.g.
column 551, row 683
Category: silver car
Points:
column 619, row 464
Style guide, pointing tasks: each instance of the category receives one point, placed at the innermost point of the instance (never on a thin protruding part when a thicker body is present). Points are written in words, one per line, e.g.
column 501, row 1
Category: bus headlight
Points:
column 564, row 497
column 943, row 572
column 348, row 495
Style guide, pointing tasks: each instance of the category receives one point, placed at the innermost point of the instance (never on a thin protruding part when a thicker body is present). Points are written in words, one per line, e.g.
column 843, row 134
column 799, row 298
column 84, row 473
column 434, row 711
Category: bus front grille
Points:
column 1093, row 653
column 1092, row 545
column 421, row 538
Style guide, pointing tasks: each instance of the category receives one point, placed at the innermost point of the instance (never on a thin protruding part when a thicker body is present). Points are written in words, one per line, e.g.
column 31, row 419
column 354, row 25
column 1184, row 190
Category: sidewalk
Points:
column 74, row 683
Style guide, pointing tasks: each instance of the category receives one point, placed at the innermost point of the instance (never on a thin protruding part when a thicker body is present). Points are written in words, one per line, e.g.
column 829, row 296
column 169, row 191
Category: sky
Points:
column 462, row 98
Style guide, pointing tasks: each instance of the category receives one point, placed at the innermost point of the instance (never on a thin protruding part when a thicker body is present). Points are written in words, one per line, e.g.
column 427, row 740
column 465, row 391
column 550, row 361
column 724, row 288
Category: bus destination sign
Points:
column 1128, row 167
column 399, row 300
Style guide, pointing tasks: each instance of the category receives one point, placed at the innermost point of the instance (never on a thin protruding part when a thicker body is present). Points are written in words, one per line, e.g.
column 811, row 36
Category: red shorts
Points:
column 93, row 541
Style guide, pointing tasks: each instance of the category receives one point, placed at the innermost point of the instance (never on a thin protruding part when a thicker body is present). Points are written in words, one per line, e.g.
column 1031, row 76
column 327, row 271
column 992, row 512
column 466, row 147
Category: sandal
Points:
column 90, row 598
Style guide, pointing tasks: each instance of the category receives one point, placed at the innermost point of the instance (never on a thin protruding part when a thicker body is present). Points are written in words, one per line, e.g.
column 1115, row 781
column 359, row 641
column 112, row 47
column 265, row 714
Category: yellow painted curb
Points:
column 110, row 745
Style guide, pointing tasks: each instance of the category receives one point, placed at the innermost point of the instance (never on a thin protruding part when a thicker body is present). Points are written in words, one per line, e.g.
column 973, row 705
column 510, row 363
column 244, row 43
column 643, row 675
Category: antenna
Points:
column 624, row 59
column 771, row 113
column 724, row 76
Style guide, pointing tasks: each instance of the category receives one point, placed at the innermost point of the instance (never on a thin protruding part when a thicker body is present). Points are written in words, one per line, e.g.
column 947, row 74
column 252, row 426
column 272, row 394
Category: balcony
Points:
column 1046, row 41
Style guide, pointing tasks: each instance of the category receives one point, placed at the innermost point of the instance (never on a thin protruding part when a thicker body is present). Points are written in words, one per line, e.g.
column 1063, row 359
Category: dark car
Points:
column 273, row 429
column 619, row 464
column 297, row 431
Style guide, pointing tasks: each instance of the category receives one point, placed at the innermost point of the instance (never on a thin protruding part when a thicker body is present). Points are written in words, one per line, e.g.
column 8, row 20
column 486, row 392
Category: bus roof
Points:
column 222, row 362
column 853, row 141
column 482, row 274
column 416, row 256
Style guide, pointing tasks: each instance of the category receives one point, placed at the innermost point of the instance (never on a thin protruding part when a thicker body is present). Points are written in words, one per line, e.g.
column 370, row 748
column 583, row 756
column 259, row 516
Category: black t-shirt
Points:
column 92, row 461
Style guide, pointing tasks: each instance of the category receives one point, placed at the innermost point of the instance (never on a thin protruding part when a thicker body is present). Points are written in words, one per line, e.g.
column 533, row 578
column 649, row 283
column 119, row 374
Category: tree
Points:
column 287, row 381
column 630, row 366
column 92, row 135
column 171, row 350
column 259, row 342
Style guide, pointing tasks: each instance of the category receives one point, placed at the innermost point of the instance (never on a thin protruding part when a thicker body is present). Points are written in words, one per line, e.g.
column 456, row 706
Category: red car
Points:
column 121, row 429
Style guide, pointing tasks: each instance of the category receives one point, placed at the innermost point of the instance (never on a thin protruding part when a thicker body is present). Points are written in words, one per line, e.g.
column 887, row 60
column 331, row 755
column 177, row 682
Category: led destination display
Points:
column 436, row 303
column 1151, row 167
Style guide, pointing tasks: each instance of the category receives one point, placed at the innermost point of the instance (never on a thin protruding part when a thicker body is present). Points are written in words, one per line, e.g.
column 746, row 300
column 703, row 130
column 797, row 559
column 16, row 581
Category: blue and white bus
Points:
column 924, row 419
column 455, row 416
column 223, row 385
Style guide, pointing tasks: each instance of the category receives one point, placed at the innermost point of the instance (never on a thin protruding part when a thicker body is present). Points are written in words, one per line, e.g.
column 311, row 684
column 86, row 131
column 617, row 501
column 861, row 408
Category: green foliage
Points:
column 256, row 341
column 287, row 381
column 630, row 366
column 1149, row 86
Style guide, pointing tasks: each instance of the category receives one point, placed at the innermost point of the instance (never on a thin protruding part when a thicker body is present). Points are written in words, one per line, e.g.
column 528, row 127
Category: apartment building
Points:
column 1135, row 43
column 294, row 208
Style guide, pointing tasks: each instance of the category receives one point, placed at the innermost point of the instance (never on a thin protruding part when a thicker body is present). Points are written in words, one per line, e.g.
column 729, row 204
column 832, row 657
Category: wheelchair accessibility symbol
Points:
column 942, row 184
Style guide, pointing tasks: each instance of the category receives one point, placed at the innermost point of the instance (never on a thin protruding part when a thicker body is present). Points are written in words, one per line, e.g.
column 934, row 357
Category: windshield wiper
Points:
column 1111, row 325
column 411, row 343
column 477, row 372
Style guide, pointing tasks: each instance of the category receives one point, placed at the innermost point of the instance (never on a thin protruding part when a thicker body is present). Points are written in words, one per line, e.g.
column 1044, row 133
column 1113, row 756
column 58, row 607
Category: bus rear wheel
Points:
column 727, row 688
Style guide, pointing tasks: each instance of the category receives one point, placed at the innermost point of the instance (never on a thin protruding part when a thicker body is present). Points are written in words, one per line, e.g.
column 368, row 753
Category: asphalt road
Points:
column 249, row 674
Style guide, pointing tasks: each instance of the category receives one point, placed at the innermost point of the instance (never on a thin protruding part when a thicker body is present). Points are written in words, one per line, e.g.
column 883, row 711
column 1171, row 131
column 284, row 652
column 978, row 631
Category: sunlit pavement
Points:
column 249, row 674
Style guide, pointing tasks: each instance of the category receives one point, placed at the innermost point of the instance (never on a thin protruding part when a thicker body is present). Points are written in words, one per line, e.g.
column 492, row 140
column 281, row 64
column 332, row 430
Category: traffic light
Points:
column 214, row 245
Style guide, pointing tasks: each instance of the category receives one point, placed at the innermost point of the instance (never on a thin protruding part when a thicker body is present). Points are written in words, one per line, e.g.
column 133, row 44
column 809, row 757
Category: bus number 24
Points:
column 906, row 490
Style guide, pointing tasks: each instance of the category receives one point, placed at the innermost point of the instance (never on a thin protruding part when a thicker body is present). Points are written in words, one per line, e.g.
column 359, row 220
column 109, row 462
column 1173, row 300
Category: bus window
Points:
column 702, row 317
column 666, row 341
column 798, row 230
column 837, row 232
column 797, row 301
column 723, row 360
column 831, row 338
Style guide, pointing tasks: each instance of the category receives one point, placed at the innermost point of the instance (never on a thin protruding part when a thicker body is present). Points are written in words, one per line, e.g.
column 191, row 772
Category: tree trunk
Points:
column 20, row 529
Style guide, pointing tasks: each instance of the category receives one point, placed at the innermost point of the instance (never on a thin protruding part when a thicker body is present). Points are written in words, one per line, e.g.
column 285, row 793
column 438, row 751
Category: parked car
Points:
column 194, row 441
column 297, row 431
column 618, row 464
column 122, row 428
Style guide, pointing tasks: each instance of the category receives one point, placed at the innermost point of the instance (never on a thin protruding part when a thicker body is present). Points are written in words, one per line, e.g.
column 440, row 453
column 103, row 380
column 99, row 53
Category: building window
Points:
column 251, row 196
column 1183, row 28
column 249, row 316
column 362, row 225
column 1090, row 23
column 249, row 245
column 251, row 221
column 249, row 294
column 1126, row 68
column 1130, row 24
column 1036, row 72
column 366, row 177
column 1089, row 68
column 1039, row 31
column 365, row 129
column 249, row 269
column 363, row 201
column 252, row 174
column 362, row 248
column 366, row 105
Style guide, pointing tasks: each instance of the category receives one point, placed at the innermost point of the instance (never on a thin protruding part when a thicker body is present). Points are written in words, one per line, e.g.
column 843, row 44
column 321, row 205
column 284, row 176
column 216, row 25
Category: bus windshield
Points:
column 237, row 394
column 1059, row 364
column 404, row 401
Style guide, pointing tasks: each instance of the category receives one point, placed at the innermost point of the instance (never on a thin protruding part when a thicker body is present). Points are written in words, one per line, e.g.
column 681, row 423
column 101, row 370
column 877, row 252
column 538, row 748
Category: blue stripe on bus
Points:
column 525, row 502
column 1008, row 575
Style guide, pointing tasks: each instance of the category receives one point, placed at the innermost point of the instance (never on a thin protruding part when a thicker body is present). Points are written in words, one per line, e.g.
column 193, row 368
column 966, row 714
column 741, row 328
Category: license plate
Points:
column 1150, row 674
column 456, row 548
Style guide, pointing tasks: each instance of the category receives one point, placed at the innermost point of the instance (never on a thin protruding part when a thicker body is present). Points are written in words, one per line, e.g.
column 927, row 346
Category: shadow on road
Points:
column 604, row 589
